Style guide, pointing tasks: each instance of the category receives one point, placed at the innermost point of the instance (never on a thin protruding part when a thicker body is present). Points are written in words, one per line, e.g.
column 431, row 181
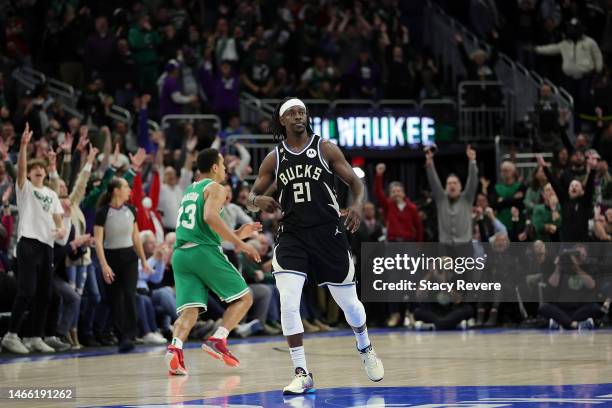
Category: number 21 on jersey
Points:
column 298, row 192
column 190, row 211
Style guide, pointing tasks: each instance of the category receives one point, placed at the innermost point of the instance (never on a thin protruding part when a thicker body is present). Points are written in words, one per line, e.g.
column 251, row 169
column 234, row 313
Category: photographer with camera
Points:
column 572, row 280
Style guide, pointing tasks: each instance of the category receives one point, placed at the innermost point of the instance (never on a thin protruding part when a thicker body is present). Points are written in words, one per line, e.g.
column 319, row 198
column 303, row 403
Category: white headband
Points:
column 290, row 104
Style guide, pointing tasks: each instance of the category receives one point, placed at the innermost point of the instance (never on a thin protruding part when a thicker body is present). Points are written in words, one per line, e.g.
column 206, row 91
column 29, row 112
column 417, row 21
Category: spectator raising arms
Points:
column 576, row 203
column 40, row 214
column 454, row 206
column 401, row 215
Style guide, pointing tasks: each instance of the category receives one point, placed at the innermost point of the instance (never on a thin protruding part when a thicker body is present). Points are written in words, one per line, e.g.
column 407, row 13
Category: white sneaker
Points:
column 409, row 321
column 463, row 325
column 151, row 338
column 161, row 338
column 588, row 324
column 37, row 344
column 372, row 364
column 553, row 325
column 13, row 343
column 302, row 383
column 56, row 343
column 422, row 326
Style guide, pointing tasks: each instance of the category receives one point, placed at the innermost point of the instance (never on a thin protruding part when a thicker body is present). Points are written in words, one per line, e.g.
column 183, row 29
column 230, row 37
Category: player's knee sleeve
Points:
column 346, row 298
column 290, row 290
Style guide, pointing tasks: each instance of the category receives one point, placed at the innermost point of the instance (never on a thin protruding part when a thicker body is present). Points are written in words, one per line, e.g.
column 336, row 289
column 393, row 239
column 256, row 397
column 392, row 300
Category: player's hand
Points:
column 267, row 204
column 353, row 218
column 249, row 251
column 108, row 274
column 247, row 230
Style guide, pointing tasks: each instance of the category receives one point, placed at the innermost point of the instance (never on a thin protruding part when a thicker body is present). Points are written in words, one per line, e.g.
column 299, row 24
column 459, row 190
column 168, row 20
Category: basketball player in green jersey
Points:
column 199, row 263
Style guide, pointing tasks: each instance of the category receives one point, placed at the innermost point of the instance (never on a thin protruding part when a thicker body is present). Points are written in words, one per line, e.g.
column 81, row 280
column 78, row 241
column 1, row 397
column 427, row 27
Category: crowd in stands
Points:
column 566, row 41
column 93, row 196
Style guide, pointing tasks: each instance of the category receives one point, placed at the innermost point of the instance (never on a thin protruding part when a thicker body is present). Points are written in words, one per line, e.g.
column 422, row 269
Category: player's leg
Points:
column 191, row 297
column 336, row 270
column 354, row 313
column 290, row 285
column 227, row 282
column 290, row 262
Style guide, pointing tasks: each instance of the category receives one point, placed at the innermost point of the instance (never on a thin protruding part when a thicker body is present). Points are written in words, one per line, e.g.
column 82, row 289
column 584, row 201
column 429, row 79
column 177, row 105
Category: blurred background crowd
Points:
column 156, row 58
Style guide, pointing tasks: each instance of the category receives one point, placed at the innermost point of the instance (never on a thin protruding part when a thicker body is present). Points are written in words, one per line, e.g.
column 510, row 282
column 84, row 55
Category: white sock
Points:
column 363, row 340
column 178, row 343
column 221, row 333
column 298, row 356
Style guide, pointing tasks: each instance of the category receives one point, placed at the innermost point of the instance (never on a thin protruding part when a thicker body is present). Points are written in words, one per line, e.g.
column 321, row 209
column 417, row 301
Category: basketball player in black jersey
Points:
column 311, row 241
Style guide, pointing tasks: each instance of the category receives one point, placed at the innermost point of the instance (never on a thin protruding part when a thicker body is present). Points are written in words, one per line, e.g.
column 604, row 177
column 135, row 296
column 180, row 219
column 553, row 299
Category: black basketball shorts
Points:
column 321, row 253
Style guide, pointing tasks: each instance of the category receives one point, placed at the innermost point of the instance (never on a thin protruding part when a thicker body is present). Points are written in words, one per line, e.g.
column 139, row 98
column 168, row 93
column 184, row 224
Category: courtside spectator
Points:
column 454, row 206
column 40, row 215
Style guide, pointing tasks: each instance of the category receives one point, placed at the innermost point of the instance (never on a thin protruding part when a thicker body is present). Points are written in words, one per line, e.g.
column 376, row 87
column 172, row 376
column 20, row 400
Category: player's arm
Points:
column 339, row 165
column 258, row 197
column 214, row 201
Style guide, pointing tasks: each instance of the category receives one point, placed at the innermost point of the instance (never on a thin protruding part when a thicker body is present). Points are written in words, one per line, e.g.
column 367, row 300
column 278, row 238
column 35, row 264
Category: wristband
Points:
column 87, row 167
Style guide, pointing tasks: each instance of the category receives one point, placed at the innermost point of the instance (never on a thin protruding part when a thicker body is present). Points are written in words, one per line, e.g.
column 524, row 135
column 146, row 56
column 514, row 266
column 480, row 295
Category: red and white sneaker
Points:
column 217, row 348
column 175, row 361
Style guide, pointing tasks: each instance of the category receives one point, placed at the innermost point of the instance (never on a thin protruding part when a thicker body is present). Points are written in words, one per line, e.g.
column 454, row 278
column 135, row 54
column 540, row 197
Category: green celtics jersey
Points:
column 190, row 224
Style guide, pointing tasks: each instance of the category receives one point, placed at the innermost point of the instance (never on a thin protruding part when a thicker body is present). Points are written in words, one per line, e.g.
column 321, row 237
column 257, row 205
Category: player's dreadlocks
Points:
column 278, row 131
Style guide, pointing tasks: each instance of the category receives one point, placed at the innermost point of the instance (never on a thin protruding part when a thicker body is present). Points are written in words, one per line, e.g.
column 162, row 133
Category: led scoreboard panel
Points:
column 378, row 132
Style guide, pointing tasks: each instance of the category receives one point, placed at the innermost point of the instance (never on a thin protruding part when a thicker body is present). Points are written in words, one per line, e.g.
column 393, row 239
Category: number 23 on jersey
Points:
column 189, row 211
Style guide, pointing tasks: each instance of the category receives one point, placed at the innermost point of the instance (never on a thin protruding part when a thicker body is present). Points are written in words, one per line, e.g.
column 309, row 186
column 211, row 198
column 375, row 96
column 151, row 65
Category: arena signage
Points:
column 376, row 132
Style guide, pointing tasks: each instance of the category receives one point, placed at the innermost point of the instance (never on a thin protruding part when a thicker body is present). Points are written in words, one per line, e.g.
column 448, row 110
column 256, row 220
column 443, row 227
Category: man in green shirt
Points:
column 547, row 216
column 199, row 263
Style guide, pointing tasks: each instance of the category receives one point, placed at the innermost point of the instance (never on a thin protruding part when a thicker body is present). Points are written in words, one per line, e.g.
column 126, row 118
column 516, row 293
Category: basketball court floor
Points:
column 485, row 369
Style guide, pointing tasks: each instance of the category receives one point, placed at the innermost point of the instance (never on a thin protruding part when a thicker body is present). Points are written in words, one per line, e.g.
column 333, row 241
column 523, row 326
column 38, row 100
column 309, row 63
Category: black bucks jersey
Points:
column 312, row 240
column 305, row 186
